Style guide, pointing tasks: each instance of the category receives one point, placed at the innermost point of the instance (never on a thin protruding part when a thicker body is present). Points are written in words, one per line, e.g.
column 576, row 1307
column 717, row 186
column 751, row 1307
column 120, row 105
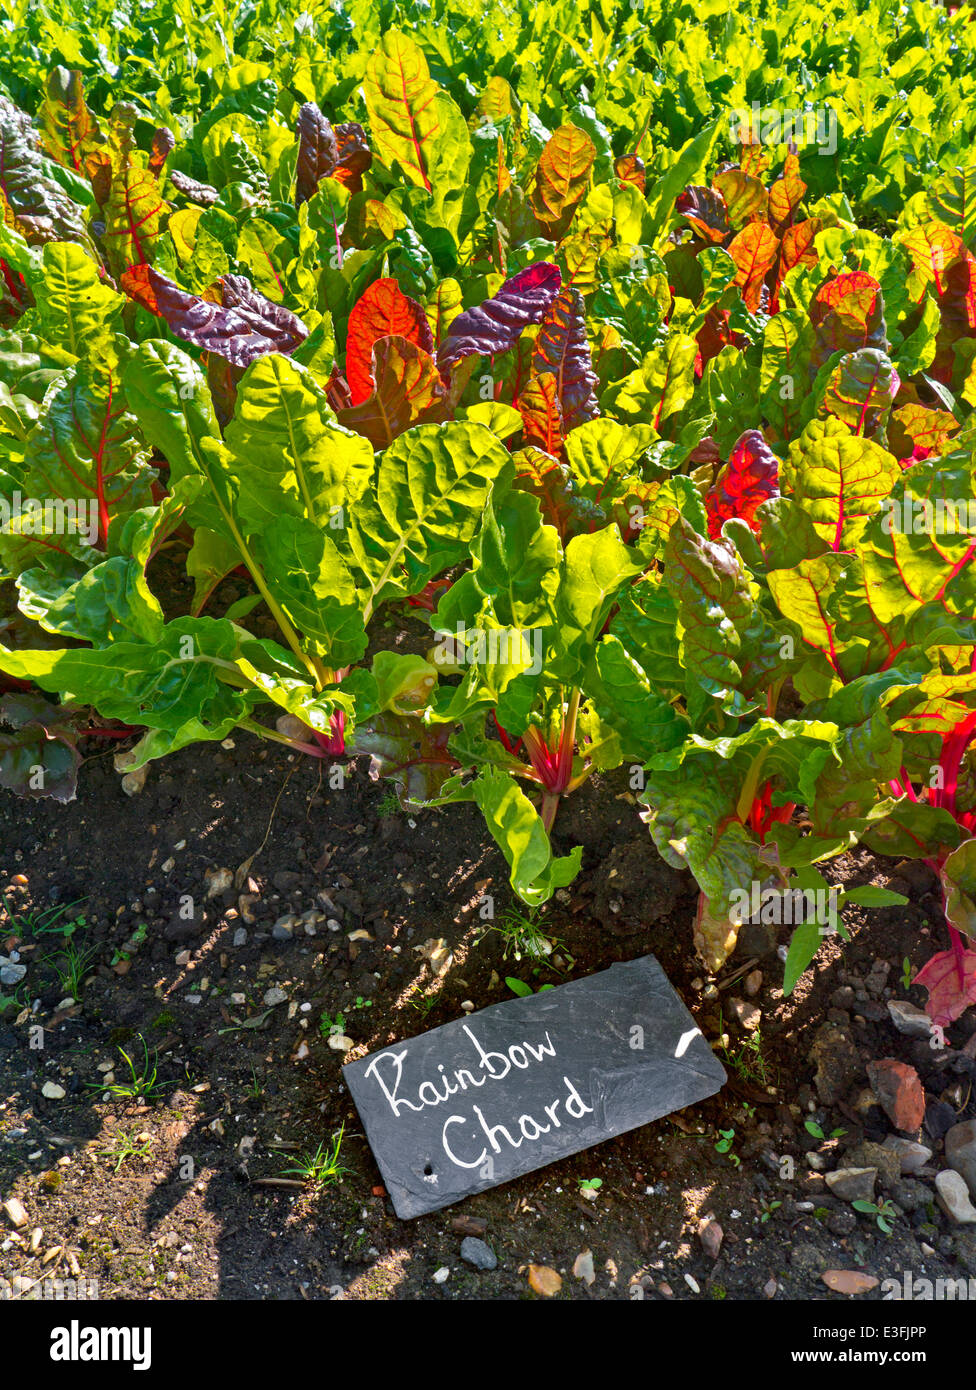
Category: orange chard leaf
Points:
column 561, row 177
column 408, row 391
column 383, row 311
column 786, row 194
column 69, row 132
column 542, row 416
column 754, row 251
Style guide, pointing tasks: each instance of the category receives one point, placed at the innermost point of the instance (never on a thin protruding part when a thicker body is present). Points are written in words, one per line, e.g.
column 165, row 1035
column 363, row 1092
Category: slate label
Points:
column 521, row 1084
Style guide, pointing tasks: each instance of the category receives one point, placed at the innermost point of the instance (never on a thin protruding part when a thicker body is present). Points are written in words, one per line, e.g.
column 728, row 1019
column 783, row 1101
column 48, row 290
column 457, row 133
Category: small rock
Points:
column 692, row 1283
column 837, row 1062
column 770, row 1287
column 842, row 1223
column 52, row 1091
column 853, row 1184
column 849, row 1281
column 877, row 1156
column 240, row 936
column 748, row 1016
column 340, row 1043
column 475, row 1252
column 469, row 1225
column 939, row 1118
column 440, row 1276
column 912, row 1156
column 10, row 973
column 953, row 1195
column 711, row 1236
column 15, row 1212
column 275, row 995
column 960, row 1151
column 842, row 998
column 583, row 1267
column 133, row 782
column 899, row 1091
column 284, row 928
column 168, row 865
column 245, row 905
column 753, row 983
column 543, row 1280
column 909, row 1019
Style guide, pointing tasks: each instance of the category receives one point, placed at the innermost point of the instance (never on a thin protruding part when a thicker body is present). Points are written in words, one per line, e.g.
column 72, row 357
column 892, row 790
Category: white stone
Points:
column 953, row 1197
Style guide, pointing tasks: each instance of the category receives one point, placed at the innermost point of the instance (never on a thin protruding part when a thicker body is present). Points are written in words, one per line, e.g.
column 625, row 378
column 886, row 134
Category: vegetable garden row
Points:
column 550, row 324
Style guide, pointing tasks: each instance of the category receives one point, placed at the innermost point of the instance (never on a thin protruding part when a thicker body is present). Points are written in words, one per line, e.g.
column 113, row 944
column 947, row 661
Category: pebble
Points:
column 849, row 1281
column 133, row 782
column 953, row 1195
column 52, row 1091
column 218, row 881
column 340, row 1043
column 748, row 1016
column 912, row 1156
column 960, row 1151
column 440, row 1276
column 853, row 1184
column 284, row 928
column 583, row 1267
column 275, row 995
column 168, row 865
column 753, row 983
column 11, row 974
column 692, row 1283
column 475, row 1252
column 711, row 1236
column 16, row 1212
column 909, row 1019
column 240, row 936
column 899, row 1091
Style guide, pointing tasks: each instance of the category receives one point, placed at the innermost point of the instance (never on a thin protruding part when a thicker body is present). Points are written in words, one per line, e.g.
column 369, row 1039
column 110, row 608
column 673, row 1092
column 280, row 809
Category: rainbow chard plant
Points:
column 519, row 630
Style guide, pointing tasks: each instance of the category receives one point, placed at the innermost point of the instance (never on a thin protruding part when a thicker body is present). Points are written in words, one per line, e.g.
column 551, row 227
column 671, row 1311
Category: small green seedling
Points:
column 590, row 1184
column 124, row 1147
column 883, row 1212
column 767, row 1209
column 143, row 1082
column 321, row 1168
column 47, row 921
column 906, row 973
column 523, row 990
column 724, row 1146
column 329, row 1025
column 813, row 1128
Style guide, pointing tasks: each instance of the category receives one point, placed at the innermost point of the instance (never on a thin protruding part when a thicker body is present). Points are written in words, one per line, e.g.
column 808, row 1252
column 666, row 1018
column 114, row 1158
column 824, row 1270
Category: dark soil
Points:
column 244, row 1089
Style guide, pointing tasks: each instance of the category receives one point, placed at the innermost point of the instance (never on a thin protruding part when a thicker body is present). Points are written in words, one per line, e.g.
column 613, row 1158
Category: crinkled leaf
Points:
column 750, row 478
column 493, row 327
column 240, row 329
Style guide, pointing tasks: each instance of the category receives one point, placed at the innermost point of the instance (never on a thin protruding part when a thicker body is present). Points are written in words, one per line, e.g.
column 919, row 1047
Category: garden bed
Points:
column 145, row 1231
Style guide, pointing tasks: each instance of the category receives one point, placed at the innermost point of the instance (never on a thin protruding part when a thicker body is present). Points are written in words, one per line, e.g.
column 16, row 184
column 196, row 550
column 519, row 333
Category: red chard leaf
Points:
column 750, row 478
column 562, row 349
column 383, row 311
